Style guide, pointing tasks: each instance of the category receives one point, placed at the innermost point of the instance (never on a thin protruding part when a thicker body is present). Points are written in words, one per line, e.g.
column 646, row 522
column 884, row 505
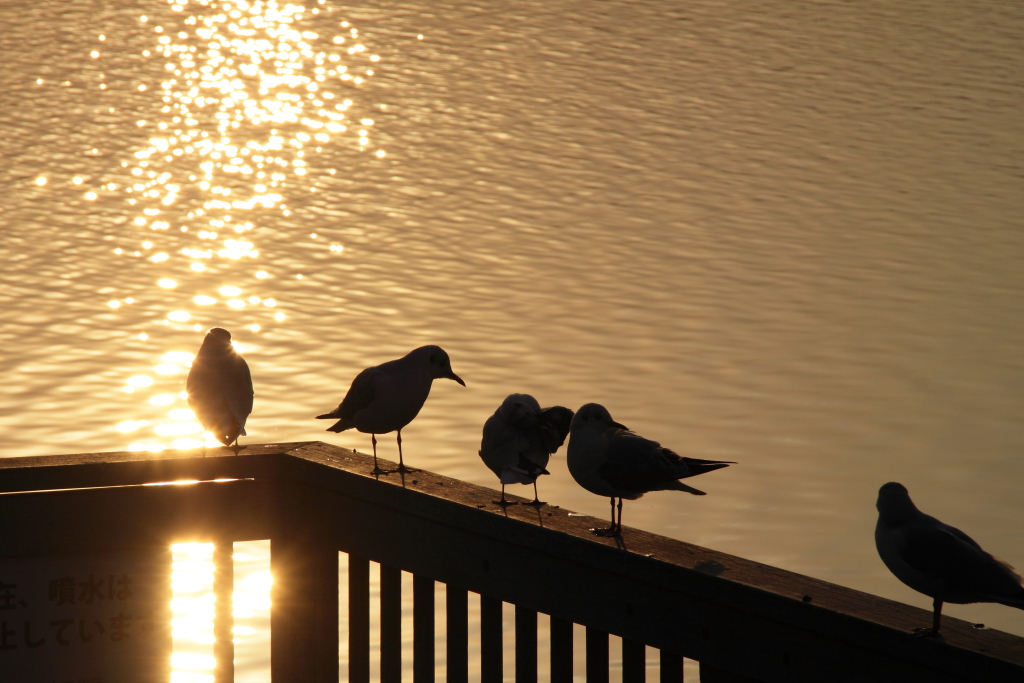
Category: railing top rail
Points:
column 759, row 595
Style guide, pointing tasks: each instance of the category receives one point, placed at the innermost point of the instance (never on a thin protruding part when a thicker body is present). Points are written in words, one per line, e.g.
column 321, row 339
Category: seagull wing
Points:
column 499, row 448
column 359, row 396
column 947, row 554
column 238, row 393
column 639, row 464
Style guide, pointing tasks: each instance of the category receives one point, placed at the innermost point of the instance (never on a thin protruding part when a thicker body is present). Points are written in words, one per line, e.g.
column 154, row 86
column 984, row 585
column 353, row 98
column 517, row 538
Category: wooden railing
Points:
column 743, row 621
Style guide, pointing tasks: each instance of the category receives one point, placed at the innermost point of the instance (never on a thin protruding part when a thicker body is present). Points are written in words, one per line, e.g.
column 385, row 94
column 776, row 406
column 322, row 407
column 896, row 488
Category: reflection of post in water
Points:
column 223, row 620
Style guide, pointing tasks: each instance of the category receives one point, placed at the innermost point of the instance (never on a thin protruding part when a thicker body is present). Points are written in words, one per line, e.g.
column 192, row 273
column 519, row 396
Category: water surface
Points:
column 789, row 239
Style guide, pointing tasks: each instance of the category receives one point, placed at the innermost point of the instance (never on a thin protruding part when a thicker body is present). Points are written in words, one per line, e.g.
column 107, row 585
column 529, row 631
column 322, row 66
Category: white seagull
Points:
column 606, row 458
column 938, row 560
column 388, row 396
column 219, row 387
column 519, row 439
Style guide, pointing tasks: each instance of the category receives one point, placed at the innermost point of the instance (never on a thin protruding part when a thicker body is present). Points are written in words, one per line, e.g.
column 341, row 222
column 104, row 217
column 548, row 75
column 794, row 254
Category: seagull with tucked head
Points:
column 387, row 397
column 938, row 560
column 606, row 458
column 219, row 387
column 519, row 439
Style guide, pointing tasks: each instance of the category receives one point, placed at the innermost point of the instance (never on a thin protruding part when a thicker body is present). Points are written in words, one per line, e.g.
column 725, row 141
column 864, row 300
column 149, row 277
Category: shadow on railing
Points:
column 742, row 621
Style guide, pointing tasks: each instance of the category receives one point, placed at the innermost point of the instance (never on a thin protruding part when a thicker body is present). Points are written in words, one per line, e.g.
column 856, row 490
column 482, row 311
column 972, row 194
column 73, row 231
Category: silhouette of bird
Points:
column 938, row 560
column 519, row 439
column 606, row 458
column 219, row 387
column 388, row 396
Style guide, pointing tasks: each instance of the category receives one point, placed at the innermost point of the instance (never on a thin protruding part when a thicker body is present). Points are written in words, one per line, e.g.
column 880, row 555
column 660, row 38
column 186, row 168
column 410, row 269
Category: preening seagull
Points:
column 606, row 458
column 388, row 396
column 219, row 387
column 938, row 560
column 519, row 439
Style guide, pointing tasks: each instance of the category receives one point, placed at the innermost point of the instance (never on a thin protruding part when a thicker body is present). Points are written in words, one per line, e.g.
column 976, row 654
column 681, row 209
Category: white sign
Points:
column 86, row 618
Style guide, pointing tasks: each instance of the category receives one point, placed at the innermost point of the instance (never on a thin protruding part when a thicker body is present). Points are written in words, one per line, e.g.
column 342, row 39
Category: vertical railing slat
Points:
column 597, row 656
column 671, row 667
column 457, row 606
column 561, row 650
column 390, row 624
column 303, row 610
column 634, row 661
column 423, row 629
column 358, row 619
column 491, row 647
column 223, row 620
column 526, row 645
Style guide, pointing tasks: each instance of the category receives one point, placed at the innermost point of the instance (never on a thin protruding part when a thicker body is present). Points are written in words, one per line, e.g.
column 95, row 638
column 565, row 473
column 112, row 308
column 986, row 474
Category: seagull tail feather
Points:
column 680, row 486
column 339, row 426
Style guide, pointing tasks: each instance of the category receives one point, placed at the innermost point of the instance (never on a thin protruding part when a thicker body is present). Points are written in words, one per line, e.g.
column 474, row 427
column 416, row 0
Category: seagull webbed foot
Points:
column 536, row 503
column 505, row 503
column 610, row 531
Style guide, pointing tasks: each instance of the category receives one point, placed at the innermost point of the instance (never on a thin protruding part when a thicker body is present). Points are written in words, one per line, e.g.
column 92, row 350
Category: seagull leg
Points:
column 376, row 469
column 618, row 531
column 536, row 499
column 401, row 462
column 932, row 632
column 612, row 530
column 503, row 502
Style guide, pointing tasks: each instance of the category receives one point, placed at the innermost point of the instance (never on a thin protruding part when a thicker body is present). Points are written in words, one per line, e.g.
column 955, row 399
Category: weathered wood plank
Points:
column 597, row 656
column 670, row 667
column 423, row 629
column 304, row 595
column 457, row 646
column 491, row 648
column 358, row 619
column 526, row 645
column 390, row 624
column 634, row 662
column 561, row 650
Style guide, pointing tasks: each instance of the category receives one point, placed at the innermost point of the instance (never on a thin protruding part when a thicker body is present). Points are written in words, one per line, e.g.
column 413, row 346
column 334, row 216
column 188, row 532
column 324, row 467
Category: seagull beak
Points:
column 456, row 378
column 620, row 426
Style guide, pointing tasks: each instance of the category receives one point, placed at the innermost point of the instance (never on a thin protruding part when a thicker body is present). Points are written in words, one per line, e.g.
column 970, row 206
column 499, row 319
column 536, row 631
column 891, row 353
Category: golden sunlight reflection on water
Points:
column 249, row 96
column 192, row 609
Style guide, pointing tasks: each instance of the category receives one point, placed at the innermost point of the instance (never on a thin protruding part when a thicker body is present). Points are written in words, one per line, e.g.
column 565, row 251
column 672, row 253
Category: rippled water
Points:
column 790, row 239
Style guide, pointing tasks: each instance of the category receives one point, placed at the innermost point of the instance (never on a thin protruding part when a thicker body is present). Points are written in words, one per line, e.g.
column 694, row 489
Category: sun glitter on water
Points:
column 252, row 91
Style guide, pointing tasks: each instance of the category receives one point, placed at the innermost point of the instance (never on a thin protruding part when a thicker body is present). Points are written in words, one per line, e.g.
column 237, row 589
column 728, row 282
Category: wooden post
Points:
column 390, row 624
column 358, row 619
column 714, row 674
column 223, row 620
column 671, row 667
column 561, row 650
column 457, row 604
column 526, row 645
column 423, row 629
column 634, row 661
column 303, row 610
column 491, row 649
column 597, row 656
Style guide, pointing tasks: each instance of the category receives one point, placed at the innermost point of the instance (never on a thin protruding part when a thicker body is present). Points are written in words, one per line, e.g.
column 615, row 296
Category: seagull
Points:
column 388, row 396
column 519, row 439
column 219, row 387
column 606, row 458
column 938, row 560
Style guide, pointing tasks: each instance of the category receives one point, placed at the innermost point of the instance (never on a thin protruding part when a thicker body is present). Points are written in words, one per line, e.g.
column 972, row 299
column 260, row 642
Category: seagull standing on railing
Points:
column 606, row 458
column 387, row 397
column 519, row 439
column 219, row 387
column 938, row 560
